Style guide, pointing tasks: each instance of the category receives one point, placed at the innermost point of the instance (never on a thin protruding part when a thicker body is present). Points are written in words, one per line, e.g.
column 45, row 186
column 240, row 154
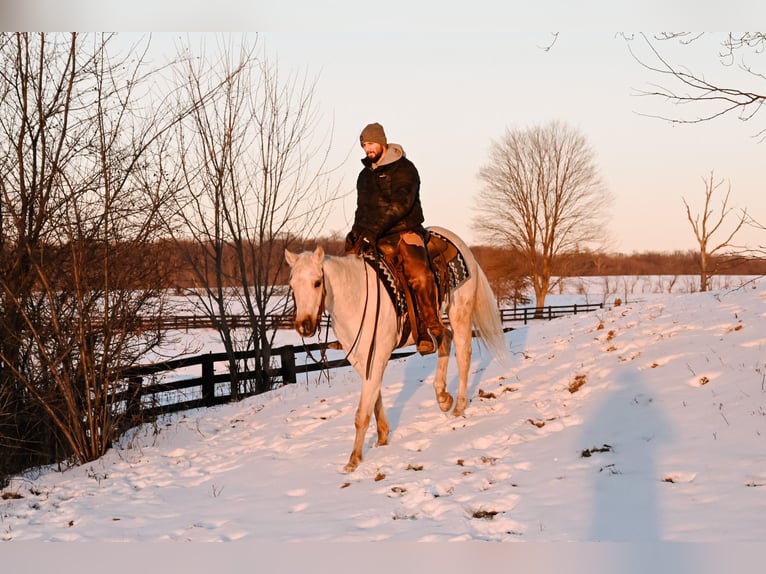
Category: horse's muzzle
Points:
column 306, row 327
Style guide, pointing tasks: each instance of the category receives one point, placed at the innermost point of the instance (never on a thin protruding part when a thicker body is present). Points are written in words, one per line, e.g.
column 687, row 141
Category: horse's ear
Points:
column 290, row 257
column 319, row 253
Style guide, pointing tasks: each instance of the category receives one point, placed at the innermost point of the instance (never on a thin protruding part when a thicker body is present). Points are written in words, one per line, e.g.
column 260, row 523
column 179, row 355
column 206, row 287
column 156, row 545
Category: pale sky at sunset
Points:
column 445, row 95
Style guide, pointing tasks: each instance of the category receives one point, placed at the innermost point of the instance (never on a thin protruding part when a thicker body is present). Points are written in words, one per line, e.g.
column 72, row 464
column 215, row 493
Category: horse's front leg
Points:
column 367, row 401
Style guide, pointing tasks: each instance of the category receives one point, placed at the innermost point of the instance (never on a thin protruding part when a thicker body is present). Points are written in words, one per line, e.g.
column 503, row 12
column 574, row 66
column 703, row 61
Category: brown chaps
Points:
column 407, row 251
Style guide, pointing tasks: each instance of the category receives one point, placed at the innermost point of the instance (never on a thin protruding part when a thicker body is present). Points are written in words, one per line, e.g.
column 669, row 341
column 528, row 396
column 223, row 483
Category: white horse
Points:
column 348, row 289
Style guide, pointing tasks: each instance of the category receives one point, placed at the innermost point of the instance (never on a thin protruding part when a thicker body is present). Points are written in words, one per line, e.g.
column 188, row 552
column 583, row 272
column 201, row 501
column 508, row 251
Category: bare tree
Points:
column 254, row 167
column 708, row 223
column 760, row 250
column 80, row 149
column 742, row 93
column 737, row 87
column 542, row 197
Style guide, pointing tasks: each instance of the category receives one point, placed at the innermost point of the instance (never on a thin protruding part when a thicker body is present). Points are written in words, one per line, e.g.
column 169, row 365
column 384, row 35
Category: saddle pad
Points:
column 388, row 278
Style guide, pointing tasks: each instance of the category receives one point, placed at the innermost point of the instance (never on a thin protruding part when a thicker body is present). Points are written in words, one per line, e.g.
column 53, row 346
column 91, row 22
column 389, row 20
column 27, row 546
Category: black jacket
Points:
column 388, row 196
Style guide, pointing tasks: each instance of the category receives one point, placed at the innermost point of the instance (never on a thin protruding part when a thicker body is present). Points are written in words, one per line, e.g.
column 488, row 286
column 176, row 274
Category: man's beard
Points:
column 375, row 156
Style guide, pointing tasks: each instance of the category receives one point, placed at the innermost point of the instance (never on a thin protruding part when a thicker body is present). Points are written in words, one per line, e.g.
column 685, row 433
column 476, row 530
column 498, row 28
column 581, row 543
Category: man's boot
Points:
column 423, row 286
column 430, row 328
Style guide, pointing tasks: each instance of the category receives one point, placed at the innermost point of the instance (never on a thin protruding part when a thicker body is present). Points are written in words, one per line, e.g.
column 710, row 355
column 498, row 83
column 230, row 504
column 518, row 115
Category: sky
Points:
column 445, row 96
column 672, row 412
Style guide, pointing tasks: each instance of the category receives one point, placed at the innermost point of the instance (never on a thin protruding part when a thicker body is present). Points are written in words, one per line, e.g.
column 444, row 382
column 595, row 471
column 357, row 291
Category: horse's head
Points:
column 307, row 284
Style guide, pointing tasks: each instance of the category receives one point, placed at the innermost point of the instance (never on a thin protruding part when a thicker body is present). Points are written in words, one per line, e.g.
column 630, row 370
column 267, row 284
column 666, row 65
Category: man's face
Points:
column 373, row 150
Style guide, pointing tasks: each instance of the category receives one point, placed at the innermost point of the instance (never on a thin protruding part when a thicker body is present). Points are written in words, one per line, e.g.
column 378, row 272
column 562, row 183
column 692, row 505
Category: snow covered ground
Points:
column 643, row 423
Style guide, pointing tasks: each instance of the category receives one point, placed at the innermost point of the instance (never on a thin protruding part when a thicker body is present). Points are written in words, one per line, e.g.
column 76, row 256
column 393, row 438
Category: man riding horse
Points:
column 389, row 218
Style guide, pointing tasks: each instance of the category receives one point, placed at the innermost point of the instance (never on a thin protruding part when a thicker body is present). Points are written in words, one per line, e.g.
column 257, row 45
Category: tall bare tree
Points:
column 253, row 161
column 542, row 197
column 708, row 222
column 81, row 147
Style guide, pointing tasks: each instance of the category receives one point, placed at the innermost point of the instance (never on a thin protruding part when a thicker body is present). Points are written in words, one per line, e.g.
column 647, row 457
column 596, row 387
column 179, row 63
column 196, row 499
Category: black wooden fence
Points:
column 145, row 396
column 526, row 314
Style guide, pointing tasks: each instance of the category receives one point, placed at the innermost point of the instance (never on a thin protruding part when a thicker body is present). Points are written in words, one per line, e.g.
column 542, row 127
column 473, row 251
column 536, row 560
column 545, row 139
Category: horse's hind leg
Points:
column 463, row 328
column 443, row 398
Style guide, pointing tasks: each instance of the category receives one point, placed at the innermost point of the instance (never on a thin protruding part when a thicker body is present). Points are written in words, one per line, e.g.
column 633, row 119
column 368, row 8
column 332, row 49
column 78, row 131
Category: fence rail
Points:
column 188, row 322
column 286, row 321
column 145, row 397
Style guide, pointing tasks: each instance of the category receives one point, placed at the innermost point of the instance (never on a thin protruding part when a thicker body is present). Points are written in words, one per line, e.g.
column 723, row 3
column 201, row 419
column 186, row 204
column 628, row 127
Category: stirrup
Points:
column 430, row 345
column 426, row 347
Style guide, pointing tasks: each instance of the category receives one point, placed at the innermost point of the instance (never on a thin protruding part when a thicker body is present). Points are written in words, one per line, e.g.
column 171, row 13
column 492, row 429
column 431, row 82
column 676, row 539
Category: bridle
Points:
column 321, row 310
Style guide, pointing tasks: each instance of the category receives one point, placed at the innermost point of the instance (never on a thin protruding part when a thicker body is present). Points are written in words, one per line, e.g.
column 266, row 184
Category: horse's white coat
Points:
column 350, row 291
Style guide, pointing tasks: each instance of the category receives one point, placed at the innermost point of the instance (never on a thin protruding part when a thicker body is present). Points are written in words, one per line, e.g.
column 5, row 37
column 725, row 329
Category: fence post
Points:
column 208, row 384
column 287, row 358
column 133, row 406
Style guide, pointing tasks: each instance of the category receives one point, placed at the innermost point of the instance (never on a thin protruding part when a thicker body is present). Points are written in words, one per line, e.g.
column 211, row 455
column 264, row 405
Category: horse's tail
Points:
column 486, row 317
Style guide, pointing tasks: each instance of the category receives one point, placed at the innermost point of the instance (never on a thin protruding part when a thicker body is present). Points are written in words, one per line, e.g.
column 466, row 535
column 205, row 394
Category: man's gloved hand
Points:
column 350, row 241
column 360, row 242
column 367, row 241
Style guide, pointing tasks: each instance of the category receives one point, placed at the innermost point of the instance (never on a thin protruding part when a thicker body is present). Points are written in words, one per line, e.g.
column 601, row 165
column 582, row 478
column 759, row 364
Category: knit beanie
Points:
column 373, row 133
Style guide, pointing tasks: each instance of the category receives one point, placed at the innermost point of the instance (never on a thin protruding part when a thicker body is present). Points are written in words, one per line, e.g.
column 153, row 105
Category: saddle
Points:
column 447, row 263
column 448, row 266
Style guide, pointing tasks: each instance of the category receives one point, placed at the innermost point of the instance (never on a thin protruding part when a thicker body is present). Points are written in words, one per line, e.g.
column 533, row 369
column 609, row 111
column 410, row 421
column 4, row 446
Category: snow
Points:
column 666, row 394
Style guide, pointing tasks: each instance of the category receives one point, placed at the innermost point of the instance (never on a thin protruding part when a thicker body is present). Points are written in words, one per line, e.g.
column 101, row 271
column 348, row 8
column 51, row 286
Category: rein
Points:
column 371, row 352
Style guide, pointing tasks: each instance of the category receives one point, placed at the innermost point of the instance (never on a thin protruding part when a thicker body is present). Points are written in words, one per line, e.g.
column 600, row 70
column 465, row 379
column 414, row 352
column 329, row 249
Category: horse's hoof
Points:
column 382, row 442
column 459, row 408
column 445, row 402
column 351, row 465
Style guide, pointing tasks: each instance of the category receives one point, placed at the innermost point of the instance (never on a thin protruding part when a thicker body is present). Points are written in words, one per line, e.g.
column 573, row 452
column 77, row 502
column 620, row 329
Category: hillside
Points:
column 642, row 422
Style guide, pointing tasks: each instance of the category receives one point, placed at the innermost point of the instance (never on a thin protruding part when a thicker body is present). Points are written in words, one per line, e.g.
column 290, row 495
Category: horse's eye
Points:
column 317, row 284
